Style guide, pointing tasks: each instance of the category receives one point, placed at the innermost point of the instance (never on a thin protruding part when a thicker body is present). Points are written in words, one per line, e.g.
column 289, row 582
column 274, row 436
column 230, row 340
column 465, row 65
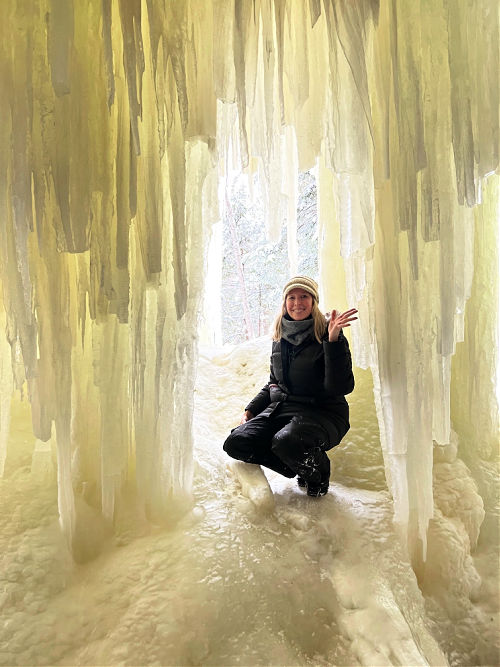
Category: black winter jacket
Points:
column 309, row 379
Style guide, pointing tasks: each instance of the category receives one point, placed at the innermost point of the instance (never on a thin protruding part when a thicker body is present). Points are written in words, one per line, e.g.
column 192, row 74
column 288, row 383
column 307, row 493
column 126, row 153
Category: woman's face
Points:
column 298, row 304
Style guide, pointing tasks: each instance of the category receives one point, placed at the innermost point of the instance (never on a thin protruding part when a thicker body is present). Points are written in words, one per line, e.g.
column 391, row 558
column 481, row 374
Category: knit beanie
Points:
column 302, row 282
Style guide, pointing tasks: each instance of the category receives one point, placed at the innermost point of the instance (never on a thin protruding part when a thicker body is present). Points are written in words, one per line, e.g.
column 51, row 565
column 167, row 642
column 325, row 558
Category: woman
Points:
column 301, row 412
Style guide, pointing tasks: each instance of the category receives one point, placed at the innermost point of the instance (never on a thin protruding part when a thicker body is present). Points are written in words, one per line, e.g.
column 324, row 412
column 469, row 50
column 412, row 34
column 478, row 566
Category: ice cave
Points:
column 127, row 536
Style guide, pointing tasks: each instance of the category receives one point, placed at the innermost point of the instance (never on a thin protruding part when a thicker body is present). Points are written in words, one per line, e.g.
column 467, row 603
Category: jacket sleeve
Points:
column 339, row 379
column 263, row 398
column 259, row 402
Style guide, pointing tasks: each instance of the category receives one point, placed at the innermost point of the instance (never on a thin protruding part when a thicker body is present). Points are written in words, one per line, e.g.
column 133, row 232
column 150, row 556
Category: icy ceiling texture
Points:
column 117, row 118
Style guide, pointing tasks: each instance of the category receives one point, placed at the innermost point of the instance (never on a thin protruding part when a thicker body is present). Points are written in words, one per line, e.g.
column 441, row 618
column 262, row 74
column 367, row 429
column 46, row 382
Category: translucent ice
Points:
column 117, row 117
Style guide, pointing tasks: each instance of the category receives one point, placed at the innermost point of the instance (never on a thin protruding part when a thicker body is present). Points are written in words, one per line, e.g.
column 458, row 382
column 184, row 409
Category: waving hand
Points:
column 338, row 321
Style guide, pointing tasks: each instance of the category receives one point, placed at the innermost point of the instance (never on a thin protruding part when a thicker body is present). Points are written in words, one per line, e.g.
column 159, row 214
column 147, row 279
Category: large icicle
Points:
column 6, row 387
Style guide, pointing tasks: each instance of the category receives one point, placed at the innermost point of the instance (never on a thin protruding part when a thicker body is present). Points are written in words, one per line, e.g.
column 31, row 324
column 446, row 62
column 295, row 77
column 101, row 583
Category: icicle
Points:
column 60, row 41
column 6, row 386
column 351, row 21
column 289, row 188
column 175, row 44
column 224, row 67
column 296, row 50
column 199, row 74
column 279, row 20
column 474, row 62
column 130, row 15
column 177, row 176
column 243, row 12
column 108, row 49
column 315, row 11
column 478, row 356
column 484, row 64
column 111, row 345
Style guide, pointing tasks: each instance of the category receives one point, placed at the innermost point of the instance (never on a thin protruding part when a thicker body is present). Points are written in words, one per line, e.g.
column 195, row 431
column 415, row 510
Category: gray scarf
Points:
column 297, row 331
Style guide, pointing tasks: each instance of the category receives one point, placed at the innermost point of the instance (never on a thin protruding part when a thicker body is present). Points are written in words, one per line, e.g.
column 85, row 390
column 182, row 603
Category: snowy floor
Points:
column 302, row 581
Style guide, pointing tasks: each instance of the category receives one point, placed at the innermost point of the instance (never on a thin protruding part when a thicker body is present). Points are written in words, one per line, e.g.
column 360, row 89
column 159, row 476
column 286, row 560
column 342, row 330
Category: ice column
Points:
column 109, row 122
column 6, row 387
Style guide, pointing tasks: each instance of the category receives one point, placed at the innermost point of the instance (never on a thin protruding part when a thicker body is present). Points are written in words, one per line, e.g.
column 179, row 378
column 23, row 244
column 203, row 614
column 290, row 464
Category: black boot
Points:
column 316, row 490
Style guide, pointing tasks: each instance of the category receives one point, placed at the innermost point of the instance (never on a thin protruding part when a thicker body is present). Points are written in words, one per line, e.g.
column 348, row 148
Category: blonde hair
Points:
column 318, row 318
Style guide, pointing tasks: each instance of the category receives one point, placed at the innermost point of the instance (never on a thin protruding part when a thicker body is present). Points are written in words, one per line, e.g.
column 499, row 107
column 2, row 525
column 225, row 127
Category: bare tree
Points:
column 255, row 270
column 235, row 245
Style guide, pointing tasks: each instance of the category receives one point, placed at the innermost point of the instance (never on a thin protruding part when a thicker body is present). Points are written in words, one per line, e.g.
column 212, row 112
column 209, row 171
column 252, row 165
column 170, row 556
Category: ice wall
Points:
column 111, row 134
column 103, row 183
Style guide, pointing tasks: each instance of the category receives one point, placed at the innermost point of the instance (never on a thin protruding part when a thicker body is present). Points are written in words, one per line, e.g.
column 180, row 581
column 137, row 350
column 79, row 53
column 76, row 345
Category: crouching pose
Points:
column 301, row 412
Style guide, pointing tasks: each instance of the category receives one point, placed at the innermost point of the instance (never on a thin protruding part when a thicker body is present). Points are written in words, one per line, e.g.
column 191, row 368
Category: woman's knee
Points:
column 281, row 441
column 240, row 444
column 298, row 436
column 234, row 443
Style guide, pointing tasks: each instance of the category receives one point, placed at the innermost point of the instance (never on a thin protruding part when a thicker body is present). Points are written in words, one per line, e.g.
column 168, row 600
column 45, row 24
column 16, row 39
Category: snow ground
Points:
column 304, row 582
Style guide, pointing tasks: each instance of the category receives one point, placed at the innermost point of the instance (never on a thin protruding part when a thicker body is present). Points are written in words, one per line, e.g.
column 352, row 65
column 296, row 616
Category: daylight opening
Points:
column 255, row 268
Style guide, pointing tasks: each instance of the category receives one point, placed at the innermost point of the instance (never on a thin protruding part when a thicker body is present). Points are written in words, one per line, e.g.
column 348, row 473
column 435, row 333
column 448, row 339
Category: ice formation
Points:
column 119, row 116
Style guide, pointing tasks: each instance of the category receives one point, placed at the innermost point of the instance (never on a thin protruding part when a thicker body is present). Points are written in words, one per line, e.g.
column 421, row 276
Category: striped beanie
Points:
column 302, row 282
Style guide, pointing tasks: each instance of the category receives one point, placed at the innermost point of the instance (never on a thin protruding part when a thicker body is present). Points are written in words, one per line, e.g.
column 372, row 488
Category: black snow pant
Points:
column 289, row 445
